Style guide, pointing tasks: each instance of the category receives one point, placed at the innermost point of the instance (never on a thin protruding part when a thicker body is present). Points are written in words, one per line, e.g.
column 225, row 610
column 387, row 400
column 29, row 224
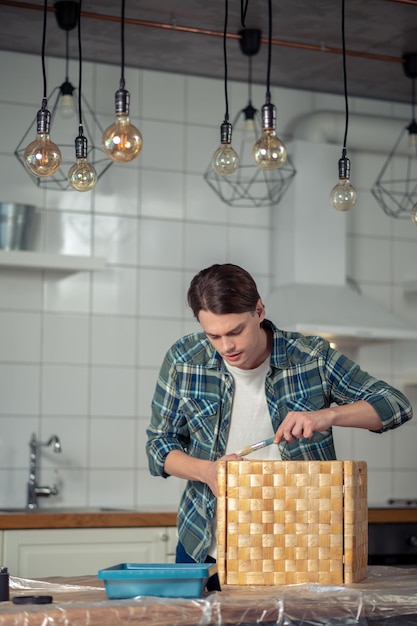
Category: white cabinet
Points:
column 83, row 551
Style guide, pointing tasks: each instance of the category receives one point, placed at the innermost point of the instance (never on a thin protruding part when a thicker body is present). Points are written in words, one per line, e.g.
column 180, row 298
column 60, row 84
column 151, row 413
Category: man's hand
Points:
column 302, row 425
column 180, row 464
column 211, row 476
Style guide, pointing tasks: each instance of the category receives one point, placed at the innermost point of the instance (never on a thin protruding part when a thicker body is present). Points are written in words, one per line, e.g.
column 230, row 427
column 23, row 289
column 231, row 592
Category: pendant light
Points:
column 269, row 152
column 63, row 111
column 42, row 157
column 395, row 188
column 122, row 142
column 225, row 160
column 250, row 186
column 82, row 176
column 343, row 196
column 67, row 16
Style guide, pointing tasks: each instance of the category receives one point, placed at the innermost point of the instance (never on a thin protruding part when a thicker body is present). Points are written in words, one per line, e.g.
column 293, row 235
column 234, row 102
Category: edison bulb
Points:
column 269, row 153
column 414, row 214
column 82, row 176
column 66, row 107
column 42, row 157
column 225, row 160
column 343, row 196
column 122, row 141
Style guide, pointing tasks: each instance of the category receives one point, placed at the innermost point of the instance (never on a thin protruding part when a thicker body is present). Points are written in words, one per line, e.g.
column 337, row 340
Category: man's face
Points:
column 238, row 337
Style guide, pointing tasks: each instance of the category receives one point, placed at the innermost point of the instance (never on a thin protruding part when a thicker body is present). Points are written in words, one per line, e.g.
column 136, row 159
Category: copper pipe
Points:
column 413, row 2
column 214, row 33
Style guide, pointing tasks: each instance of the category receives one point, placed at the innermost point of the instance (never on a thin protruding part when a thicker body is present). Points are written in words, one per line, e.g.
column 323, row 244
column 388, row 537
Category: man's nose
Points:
column 228, row 343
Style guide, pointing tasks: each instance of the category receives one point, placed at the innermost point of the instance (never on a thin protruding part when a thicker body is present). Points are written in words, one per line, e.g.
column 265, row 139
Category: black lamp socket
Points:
column 250, row 41
column 410, row 65
column 66, row 13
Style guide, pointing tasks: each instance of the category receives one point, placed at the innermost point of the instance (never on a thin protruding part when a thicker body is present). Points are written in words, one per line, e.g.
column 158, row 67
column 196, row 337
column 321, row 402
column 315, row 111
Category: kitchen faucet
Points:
column 34, row 490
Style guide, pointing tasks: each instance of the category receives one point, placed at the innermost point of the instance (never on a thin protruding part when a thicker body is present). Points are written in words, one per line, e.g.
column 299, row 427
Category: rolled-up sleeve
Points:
column 391, row 405
column 350, row 383
column 166, row 430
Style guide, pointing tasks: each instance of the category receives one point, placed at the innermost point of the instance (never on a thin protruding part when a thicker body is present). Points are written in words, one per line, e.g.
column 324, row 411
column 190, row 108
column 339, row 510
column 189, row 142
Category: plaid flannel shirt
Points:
column 192, row 405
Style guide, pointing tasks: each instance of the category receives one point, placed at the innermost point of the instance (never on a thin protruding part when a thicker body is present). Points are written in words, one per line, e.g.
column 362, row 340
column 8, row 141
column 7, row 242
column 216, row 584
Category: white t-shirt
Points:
column 250, row 420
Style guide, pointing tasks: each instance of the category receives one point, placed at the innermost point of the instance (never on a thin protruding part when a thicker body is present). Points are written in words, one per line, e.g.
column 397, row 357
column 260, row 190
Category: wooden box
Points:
column 286, row 522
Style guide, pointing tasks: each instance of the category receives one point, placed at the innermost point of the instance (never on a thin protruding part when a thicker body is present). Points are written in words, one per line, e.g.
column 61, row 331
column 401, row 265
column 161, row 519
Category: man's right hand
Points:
column 182, row 465
column 214, row 468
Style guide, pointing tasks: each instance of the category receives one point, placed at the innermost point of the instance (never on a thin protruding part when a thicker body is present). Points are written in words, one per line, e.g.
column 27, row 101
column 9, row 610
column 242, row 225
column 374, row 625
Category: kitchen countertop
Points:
column 87, row 518
column 149, row 517
column 386, row 597
column 391, row 514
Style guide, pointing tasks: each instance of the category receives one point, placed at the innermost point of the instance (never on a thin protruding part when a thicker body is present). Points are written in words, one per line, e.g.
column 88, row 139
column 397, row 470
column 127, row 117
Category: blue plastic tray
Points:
column 171, row 580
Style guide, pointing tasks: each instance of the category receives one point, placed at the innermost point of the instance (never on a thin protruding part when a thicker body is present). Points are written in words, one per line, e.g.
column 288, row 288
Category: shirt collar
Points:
column 279, row 357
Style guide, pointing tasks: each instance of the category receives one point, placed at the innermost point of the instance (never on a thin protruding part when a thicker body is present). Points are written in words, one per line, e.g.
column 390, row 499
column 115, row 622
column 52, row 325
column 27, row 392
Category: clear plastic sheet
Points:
column 387, row 597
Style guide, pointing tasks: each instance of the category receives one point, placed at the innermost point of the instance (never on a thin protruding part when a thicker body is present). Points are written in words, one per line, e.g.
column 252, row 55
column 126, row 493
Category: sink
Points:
column 68, row 509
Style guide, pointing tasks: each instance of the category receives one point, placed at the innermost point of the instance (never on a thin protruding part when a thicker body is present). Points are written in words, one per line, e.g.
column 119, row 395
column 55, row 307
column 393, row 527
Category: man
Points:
column 241, row 381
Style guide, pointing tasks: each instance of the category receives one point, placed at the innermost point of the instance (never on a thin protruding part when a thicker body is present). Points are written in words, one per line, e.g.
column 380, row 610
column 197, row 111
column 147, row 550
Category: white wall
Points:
column 79, row 353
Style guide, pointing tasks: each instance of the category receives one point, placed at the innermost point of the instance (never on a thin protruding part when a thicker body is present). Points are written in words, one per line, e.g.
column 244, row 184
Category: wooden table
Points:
column 386, row 594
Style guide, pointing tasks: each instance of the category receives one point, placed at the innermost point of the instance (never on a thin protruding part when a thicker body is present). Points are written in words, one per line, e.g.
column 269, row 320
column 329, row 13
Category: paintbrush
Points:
column 255, row 446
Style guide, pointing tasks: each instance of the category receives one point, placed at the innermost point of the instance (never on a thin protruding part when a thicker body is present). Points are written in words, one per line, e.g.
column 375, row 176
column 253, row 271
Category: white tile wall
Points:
column 80, row 352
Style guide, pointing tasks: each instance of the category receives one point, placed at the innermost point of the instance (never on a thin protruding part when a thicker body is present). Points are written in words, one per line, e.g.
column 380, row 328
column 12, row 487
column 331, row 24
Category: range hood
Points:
column 311, row 293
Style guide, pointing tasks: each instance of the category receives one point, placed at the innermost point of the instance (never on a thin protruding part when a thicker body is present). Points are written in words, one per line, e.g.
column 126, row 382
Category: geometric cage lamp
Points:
column 249, row 185
column 64, row 133
column 395, row 188
column 64, row 121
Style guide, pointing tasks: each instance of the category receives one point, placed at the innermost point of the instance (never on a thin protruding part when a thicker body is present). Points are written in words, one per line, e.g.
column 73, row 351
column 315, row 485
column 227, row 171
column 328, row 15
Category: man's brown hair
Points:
column 223, row 289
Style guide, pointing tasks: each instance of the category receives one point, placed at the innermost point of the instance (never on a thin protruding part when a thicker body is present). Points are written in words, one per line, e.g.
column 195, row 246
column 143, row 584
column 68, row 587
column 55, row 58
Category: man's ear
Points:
column 260, row 309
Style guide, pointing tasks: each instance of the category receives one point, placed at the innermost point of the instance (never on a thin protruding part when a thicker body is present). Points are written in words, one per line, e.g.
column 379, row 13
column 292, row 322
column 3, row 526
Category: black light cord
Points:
column 122, row 44
column 226, row 98
column 268, row 74
column 412, row 127
column 67, row 54
column 243, row 10
column 80, row 64
column 250, row 78
column 344, row 77
column 45, row 12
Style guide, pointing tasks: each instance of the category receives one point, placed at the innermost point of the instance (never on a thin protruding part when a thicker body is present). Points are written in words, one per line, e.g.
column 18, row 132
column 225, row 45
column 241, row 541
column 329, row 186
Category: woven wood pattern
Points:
column 355, row 521
column 285, row 522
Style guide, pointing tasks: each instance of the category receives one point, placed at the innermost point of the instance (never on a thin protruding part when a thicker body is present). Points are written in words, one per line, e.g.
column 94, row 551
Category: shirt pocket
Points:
column 202, row 417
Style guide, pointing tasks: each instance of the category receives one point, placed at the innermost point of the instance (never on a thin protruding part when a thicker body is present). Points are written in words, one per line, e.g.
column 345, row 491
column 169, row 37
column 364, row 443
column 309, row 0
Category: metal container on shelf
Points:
column 15, row 223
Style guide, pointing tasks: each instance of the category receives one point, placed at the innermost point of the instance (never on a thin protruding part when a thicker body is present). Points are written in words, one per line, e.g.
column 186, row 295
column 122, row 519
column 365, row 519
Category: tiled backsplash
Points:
column 80, row 352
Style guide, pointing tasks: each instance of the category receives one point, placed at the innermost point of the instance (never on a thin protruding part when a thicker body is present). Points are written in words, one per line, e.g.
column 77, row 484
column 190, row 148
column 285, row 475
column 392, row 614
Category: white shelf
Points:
column 410, row 286
column 38, row 260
